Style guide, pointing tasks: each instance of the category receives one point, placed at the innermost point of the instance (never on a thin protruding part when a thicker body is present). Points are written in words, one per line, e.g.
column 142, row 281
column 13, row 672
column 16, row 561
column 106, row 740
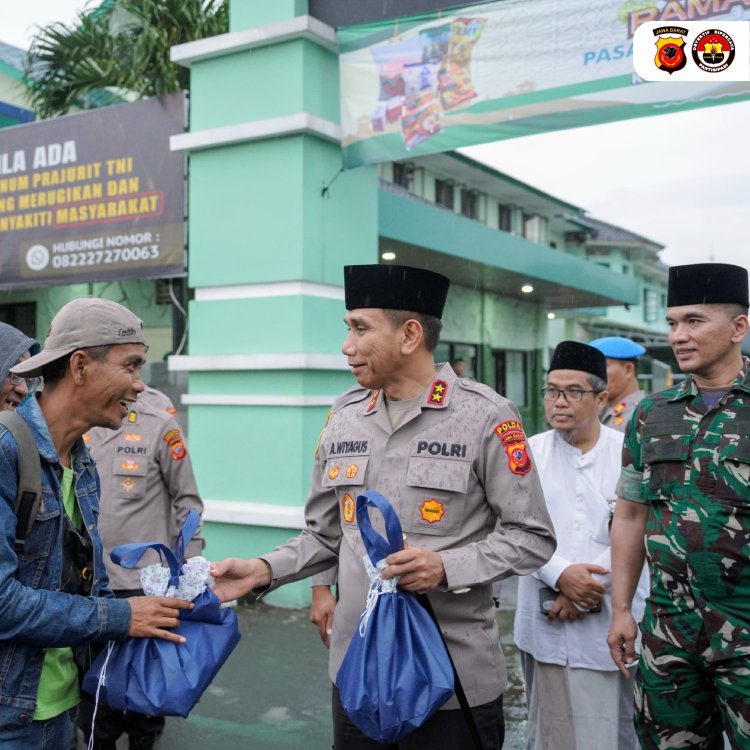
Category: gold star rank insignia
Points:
column 438, row 392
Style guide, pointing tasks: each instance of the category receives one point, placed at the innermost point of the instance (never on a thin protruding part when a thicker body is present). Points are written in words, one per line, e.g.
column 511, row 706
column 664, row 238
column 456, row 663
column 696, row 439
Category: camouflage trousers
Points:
column 684, row 701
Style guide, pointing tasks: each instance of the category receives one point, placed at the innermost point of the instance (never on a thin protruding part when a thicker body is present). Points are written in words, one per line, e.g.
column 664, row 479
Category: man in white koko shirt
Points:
column 577, row 699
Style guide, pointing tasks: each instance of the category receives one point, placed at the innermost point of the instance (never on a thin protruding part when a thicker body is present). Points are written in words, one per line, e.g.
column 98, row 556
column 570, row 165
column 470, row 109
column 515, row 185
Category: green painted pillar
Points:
column 271, row 224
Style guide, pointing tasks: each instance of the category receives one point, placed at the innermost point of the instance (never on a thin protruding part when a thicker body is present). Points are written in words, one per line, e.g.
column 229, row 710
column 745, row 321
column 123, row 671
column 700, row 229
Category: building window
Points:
column 503, row 218
column 444, row 193
column 535, row 228
column 403, row 174
column 650, row 306
column 464, row 358
column 470, row 203
column 511, row 370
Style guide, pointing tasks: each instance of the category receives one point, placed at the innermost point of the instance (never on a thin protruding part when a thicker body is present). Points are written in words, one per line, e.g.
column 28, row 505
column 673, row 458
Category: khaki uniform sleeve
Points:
column 179, row 480
column 523, row 538
column 316, row 548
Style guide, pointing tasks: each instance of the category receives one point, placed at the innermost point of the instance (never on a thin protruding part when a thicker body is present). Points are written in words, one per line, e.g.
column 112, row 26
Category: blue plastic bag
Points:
column 396, row 672
column 157, row 677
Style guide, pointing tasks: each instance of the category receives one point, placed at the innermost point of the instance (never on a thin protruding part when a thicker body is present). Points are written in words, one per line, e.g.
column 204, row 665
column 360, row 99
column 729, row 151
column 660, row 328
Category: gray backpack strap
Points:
column 29, row 492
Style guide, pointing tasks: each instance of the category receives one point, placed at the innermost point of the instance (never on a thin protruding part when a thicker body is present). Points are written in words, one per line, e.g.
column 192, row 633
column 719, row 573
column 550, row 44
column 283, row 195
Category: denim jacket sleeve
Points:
column 30, row 609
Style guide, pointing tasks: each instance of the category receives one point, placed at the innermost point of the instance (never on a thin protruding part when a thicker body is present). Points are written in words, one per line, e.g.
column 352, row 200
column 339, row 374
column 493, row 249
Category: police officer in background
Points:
column 622, row 379
column 148, row 488
column 450, row 454
column 684, row 486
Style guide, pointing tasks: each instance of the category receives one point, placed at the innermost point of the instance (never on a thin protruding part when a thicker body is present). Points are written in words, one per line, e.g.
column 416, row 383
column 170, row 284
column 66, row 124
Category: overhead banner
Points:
column 93, row 196
column 492, row 71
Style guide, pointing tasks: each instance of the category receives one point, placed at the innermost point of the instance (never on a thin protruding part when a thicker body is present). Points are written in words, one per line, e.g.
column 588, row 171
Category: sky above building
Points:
column 682, row 180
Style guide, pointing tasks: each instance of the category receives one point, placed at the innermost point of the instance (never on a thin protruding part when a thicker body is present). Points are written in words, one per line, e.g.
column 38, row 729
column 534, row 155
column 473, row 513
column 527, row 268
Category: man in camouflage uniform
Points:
column 684, row 485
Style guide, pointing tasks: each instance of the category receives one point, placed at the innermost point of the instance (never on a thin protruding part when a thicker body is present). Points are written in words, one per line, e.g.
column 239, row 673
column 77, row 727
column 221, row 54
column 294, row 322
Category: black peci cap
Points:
column 393, row 287
column 572, row 355
column 707, row 284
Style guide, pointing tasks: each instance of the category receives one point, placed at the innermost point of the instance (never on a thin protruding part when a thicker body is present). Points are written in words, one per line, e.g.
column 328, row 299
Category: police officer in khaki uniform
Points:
column 148, row 488
column 623, row 390
column 451, row 456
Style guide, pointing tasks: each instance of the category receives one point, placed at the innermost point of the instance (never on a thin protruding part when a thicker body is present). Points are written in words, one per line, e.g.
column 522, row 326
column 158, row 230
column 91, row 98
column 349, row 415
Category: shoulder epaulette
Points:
column 482, row 390
column 355, row 394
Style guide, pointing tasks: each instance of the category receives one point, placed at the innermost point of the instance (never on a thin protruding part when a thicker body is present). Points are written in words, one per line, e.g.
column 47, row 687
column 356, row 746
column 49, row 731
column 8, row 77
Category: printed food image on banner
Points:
column 515, row 68
column 390, row 59
column 455, row 78
column 423, row 75
column 420, row 116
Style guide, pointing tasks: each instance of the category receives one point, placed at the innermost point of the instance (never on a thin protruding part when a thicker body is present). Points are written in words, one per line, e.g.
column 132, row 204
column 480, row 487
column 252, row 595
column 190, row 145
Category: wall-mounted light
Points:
column 550, row 316
column 527, row 289
column 388, row 256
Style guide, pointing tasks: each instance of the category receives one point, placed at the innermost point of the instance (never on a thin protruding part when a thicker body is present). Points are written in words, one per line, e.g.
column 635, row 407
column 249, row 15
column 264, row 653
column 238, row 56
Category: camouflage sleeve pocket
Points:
column 734, row 468
column 664, row 457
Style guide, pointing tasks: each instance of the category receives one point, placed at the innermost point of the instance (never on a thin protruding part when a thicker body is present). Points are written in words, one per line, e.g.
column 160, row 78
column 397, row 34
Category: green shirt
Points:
column 58, row 685
column 691, row 464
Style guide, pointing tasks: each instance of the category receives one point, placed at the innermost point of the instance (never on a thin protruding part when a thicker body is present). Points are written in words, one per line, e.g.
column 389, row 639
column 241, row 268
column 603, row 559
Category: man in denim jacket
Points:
column 54, row 592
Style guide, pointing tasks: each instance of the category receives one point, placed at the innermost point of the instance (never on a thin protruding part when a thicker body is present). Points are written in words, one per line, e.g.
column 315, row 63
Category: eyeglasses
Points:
column 31, row 383
column 572, row 395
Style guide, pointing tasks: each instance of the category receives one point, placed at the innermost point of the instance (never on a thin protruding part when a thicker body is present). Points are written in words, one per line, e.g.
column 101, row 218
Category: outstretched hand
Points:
column 236, row 577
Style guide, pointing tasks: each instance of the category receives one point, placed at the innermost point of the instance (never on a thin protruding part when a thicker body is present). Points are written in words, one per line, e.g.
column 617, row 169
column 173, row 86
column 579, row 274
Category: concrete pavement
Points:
column 274, row 693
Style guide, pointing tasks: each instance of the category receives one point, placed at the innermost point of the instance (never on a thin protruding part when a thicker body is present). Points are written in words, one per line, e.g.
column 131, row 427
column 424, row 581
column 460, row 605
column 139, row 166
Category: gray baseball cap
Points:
column 85, row 322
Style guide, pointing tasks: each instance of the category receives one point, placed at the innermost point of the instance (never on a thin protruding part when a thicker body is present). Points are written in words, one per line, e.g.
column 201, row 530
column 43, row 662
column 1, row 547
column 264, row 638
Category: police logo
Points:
column 333, row 472
column 132, row 437
column 130, row 465
column 128, row 484
column 670, row 55
column 513, row 438
column 713, row 50
column 178, row 451
column 352, row 471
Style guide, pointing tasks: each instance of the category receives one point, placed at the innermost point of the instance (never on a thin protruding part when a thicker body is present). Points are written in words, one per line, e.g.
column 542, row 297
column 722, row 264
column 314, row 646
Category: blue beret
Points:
column 617, row 347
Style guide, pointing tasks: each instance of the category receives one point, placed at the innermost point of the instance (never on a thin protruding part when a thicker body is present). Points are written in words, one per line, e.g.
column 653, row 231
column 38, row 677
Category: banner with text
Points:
column 498, row 70
column 93, row 196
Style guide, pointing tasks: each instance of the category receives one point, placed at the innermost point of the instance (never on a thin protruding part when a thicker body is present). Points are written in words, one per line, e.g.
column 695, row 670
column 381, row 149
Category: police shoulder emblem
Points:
column 513, row 438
